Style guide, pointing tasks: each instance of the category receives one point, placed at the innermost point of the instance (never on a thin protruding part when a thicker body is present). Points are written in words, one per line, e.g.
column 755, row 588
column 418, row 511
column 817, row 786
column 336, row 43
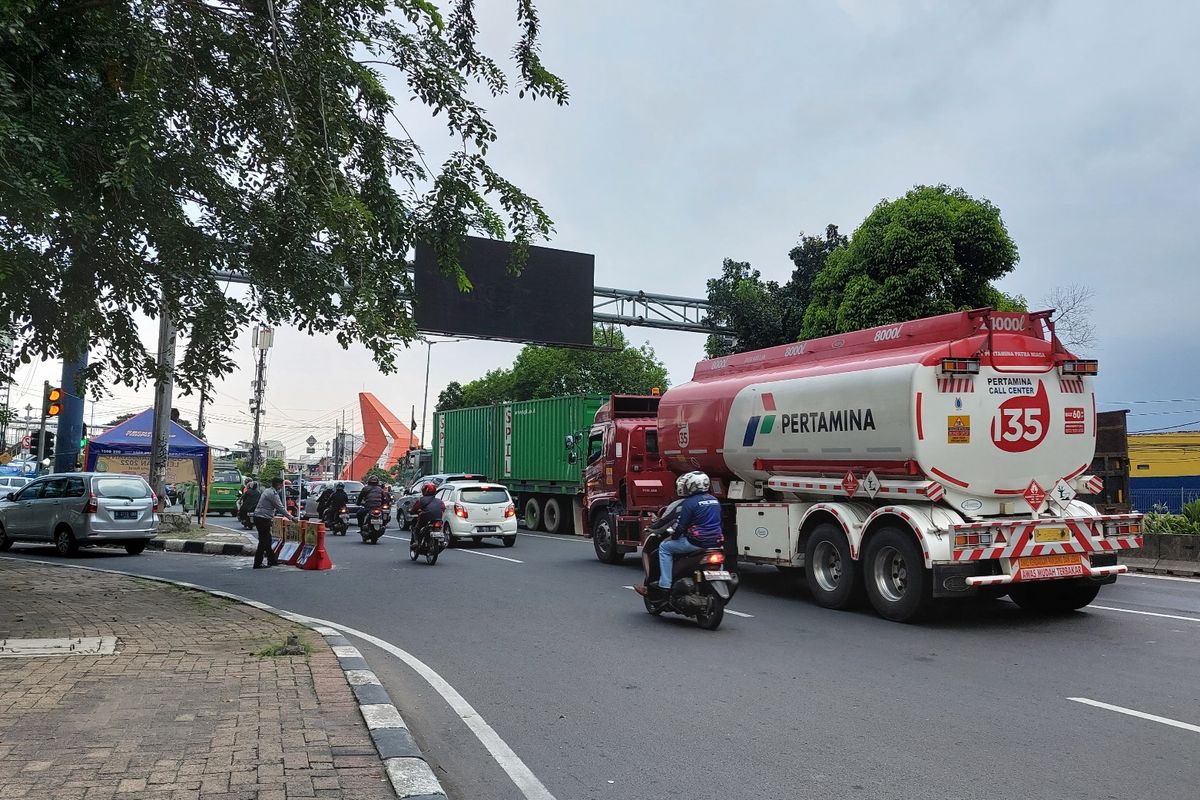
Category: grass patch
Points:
column 294, row 646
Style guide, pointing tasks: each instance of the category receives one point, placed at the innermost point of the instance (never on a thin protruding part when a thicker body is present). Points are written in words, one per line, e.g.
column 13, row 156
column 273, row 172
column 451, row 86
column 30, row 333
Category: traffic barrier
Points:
column 277, row 534
column 292, row 542
column 294, row 545
column 314, row 555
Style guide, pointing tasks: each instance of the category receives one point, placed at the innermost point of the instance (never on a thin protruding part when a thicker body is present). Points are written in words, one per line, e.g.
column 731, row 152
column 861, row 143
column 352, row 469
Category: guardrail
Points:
column 1169, row 553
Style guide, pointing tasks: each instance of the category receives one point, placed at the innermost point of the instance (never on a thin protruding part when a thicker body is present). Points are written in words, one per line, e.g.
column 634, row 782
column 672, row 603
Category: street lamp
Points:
column 429, row 343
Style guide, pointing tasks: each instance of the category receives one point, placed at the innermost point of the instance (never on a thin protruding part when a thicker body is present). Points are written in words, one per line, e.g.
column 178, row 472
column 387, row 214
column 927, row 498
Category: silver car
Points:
column 81, row 509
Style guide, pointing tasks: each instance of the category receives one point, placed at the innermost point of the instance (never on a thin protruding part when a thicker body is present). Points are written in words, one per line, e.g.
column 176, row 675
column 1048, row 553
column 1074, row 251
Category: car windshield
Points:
column 124, row 488
column 227, row 476
column 484, row 496
column 353, row 487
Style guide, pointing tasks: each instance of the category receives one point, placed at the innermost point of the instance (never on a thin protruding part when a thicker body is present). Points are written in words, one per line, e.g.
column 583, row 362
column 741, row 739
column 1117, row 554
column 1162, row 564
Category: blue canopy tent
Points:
column 126, row 448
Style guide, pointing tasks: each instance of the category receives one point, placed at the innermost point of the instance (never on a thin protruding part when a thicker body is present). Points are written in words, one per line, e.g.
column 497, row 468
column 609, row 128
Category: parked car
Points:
column 10, row 483
column 405, row 503
column 308, row 506
column 80, row 509
column 477, row 511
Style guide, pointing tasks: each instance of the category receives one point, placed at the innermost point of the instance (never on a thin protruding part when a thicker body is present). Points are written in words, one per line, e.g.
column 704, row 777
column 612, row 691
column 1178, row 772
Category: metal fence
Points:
column 1168, row 500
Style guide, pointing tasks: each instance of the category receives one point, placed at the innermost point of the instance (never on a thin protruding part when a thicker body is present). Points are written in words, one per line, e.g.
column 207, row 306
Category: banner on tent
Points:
column 179, row 470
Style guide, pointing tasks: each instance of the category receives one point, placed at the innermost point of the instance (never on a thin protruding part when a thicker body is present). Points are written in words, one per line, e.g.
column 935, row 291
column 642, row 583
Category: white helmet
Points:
column 692, row 483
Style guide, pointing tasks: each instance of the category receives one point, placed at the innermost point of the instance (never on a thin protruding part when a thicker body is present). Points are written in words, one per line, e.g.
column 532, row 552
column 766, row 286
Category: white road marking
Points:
column 1179, row 578
column 461, row 550
column 727, row 611
column 513, row 766
column 556, row 538
column 1143, row 613
column 1139, row 714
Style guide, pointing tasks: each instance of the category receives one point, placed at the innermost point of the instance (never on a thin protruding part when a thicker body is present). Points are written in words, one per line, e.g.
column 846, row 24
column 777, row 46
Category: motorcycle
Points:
column 429, row 541
column 701, row 586
column 244, row 518
column 372, row 530
column 337, row 523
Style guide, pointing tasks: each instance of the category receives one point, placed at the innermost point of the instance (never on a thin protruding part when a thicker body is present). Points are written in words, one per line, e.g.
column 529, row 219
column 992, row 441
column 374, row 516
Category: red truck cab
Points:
column 626, row 479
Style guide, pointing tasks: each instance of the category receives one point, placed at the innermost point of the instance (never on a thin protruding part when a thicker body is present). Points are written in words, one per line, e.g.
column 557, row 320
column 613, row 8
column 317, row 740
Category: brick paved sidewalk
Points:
column 184, row 709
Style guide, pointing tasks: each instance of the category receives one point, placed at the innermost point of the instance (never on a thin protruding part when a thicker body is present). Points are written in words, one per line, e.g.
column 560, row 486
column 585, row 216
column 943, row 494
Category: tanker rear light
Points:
column 1123, row 527
column 1082, row 367
column 973, row 539
column 960, row 366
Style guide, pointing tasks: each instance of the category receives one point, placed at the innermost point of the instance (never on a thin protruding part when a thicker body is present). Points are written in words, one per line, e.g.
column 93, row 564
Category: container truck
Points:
column 937, row 458
column 520, row 444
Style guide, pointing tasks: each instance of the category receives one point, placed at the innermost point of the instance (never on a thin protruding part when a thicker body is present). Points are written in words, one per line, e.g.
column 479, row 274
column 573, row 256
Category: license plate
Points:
column 485, row 528
column 124, row 515
column 1041, row 567
column 717, row 575
column 345, row 518
column 1051, row 535
column 222, row 491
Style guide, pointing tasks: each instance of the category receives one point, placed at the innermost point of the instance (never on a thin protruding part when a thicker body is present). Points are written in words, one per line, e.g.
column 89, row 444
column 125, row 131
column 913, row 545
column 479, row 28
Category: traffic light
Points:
column 83, row 437
column 52, row 403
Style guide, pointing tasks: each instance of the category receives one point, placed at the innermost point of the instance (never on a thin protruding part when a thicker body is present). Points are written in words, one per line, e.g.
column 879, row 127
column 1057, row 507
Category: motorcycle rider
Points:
column 696, row 528
column 249, row 500
column 369, row 499
column 427, row 509
column 323, row 501
column 338, row 500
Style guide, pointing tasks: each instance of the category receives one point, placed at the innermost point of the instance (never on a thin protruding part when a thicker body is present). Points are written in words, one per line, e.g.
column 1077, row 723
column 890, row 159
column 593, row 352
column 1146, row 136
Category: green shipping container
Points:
column 520, row 444
column 468, row 440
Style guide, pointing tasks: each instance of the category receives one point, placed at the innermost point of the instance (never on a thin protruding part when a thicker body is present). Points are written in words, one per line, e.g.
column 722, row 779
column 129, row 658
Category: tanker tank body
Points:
column 940, row 457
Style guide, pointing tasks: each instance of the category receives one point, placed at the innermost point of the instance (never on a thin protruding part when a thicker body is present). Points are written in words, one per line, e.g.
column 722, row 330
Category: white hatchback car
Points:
column 478, row 510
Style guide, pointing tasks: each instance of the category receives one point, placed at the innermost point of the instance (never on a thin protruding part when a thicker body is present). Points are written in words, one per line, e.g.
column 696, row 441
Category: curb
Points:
column 201, row 546
column 409, row 773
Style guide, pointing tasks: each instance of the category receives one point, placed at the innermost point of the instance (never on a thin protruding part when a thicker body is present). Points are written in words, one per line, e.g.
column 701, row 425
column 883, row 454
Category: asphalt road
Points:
column 601, row 700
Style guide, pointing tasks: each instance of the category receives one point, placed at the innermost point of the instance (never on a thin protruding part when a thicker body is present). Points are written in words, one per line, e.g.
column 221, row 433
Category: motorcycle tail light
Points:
column 343, row 509
column 459, row 511
column 510, row 512
column 714, row 558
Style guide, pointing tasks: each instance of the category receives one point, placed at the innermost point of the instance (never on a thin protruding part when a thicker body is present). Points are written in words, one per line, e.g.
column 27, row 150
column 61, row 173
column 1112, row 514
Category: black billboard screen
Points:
column 550, row 302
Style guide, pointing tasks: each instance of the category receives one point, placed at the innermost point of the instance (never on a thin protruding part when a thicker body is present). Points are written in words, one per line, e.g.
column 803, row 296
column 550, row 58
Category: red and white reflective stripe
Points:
column 931, row 490
column 1071, row 385
column 935, row 491
column 1094, row 484
column 1083, row 540
column 956, row 385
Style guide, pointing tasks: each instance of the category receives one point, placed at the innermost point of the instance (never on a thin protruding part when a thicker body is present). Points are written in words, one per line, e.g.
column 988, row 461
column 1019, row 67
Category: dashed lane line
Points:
column 471, row 552
column 727, row 610
column 1174, row 723
column 1143, row 613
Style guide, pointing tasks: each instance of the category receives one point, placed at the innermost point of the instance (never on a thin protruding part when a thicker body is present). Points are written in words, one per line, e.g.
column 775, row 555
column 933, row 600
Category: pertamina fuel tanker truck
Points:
column 938, row 458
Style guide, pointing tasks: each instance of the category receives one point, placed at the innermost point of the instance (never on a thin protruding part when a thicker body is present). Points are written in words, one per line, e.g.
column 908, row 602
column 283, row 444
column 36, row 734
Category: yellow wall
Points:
column 1166, row 455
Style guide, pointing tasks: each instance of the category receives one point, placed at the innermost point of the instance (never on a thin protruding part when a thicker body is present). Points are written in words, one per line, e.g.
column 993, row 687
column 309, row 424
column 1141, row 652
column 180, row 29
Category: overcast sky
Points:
column 699, row 130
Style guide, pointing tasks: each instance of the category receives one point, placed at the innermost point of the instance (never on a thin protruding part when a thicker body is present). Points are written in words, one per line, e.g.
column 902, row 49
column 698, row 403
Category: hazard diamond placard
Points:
column 850, row 484
column 1035, row 495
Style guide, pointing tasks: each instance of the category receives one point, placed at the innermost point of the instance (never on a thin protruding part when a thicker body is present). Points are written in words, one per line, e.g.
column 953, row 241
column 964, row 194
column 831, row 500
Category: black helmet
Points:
column 340, row 485
column 373, row 480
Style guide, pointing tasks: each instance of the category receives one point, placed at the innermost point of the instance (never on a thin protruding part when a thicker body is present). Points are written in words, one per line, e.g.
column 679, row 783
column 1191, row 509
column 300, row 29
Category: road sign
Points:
column 1062, row 494
column 850, row 484
column 26, row 443
column 1035, row 495
column 871, row 484
column 311, row 441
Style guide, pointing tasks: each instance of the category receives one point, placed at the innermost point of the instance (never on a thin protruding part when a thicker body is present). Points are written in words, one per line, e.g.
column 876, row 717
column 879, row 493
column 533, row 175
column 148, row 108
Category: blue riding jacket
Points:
column 700, row 520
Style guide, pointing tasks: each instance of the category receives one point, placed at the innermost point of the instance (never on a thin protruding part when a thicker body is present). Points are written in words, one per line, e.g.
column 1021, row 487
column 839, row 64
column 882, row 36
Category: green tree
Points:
column 765, row 313
column 451, row 397
column 933, row 251
column 147, row 144
column 613, row 367
column 385, row 476
column 271, row 469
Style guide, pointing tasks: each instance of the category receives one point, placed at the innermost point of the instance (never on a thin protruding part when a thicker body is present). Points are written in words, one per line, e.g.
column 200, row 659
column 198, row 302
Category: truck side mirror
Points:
column 569, row 443
column 572, row 457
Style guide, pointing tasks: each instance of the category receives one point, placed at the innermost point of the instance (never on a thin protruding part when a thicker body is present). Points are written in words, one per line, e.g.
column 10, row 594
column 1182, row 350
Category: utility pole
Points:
column 200, row 416
column 163, row 385
column 42, row 428
column 264, row 337
column 425, row 394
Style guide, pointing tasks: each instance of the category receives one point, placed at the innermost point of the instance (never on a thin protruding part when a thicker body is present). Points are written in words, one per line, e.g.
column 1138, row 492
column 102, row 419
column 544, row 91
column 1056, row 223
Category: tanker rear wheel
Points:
column 899, row 586
column 832, row 575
